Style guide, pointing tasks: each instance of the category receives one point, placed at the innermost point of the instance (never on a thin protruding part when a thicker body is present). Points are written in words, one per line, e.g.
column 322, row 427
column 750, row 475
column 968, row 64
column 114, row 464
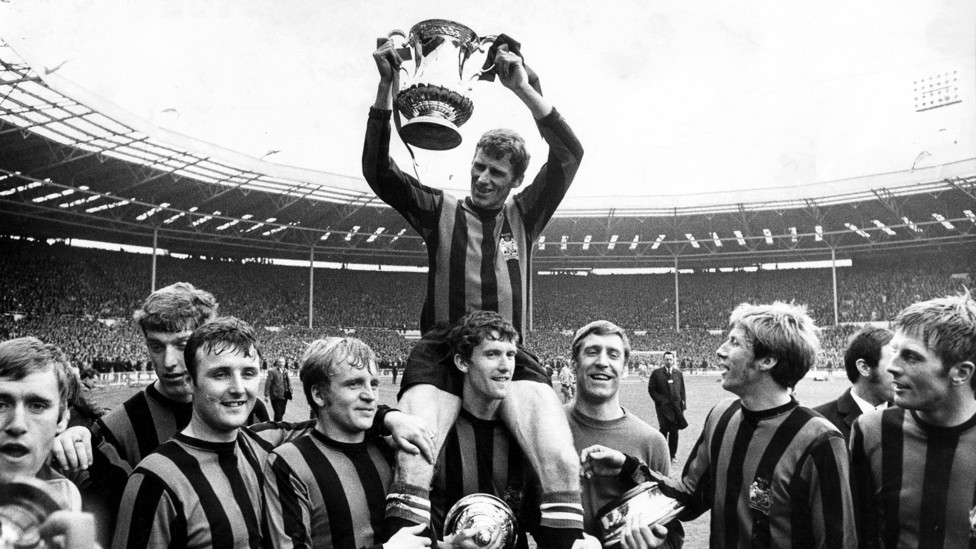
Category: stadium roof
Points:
column 73, row 165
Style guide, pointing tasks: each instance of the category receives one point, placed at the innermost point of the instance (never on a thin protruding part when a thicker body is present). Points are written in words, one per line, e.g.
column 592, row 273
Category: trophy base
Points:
column 431, row 133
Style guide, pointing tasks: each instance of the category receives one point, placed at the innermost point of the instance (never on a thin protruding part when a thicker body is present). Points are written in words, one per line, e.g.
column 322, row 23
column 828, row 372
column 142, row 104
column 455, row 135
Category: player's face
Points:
column 492, row 179
column 599, row 366
column 350, row 402
column 921, row 382
column 30, row 418
column 737, row 360
column 669, row 360
column 881, row 379
column 166, row 353
column 224, row 392
column 490, row 368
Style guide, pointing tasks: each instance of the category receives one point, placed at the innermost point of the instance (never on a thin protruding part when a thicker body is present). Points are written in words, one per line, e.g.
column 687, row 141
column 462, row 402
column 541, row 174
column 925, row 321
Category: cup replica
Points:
column 488, row 514
column 24, row 506
column 644, row 503
column 434, row 97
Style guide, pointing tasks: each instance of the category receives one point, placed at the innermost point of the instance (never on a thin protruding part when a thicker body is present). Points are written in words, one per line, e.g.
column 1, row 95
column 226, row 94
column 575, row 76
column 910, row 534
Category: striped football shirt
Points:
column 775, row 478
column 325, row 493
column 194, row 493
column 480, row 456
column 915, row 482
column 478, row 259
column 126, row 435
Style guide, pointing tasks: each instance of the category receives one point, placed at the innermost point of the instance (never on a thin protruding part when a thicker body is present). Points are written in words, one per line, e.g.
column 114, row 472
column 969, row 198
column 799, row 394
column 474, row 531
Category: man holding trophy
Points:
column 478, row 251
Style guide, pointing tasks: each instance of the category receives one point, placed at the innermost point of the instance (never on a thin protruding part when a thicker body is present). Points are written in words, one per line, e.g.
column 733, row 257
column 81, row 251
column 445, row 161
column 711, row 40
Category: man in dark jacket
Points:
column 866, row 358
column 667, row 387
column 278, row 388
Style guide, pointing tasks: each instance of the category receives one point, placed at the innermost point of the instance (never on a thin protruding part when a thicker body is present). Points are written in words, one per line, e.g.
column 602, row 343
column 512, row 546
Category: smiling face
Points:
column 599, row 366
column 224, row 392
column 347, row 405
column 166, row 353
column 492, row 179
column 30, row 418
column 921, row 381
column 736, row 358
column 489, row 370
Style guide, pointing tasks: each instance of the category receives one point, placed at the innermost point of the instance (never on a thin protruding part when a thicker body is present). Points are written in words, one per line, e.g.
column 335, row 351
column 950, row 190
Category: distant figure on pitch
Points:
column 666, row 387
column 277, row 387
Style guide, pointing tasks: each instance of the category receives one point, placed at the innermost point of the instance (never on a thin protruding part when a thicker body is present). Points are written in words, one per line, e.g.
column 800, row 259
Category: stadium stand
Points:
column 82, row 300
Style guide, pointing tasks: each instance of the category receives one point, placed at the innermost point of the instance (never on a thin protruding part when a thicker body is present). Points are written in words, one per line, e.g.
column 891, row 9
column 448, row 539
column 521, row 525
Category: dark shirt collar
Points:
column 760, row 415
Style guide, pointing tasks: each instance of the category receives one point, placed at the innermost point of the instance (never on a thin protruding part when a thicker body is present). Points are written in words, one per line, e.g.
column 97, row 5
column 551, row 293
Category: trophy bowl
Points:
column 24, row 505
column 433, row 96
column 487, row 513
column 644, row 503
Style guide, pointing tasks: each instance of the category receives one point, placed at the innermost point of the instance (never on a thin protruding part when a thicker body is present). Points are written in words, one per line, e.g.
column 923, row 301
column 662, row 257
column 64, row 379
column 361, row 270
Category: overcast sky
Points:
column 668, row 97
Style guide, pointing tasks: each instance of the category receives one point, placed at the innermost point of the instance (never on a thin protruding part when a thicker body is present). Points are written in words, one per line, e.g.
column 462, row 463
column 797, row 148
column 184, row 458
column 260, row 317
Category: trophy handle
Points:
column 401, row 46
column 484, row 44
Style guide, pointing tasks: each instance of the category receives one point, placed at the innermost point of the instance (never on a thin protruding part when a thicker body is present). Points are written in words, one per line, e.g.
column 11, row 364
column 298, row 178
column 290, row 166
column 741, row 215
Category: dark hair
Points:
column 600, row 328
column 866, row 345
column 176, row 308
column 500, row 142
column 947, row 325
column 24, row 356
column 476, row 327
column 321, row 358
column 220, row 335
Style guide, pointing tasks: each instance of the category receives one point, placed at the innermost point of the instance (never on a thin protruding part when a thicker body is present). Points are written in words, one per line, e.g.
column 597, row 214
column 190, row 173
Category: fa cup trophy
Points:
column 433, row 96
column 644, row 504
column 488, row 514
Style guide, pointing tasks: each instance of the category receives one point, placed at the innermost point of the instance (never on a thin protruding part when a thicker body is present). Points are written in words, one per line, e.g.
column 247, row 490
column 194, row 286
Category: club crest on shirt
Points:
column 508, row 247
column 759, row 496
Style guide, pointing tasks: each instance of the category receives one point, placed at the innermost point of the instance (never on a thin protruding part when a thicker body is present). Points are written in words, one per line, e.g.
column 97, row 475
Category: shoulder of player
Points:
column 870, row 424
column 120, row 422
column 724, row 405
column 162, row 465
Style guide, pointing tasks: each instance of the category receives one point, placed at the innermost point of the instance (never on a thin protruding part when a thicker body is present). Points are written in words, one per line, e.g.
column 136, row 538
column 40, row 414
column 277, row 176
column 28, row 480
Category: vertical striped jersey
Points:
column 325, row 493
column 194, row 493
column 122, row 438
column 480, row 456
column 146, row 420
column 775, row 478
column 478, row 259
column 915, row 482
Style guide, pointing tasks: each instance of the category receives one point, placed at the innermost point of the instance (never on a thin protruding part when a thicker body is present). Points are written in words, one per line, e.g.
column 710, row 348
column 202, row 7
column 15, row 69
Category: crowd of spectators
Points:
column 82, row 300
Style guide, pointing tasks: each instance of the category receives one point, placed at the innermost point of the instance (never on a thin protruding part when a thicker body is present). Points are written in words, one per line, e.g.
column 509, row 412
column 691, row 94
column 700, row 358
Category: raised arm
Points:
column 538, row 202
column 513, row 75
column 417, row 203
